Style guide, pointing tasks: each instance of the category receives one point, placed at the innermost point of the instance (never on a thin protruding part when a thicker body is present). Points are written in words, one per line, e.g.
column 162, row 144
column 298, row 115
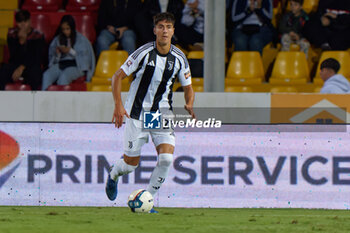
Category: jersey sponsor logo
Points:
column 170, row 65
column 156, row 187
column 151, row 120
column 151, row 63
column 187, row 74
column 129, row 63
column 130, row 144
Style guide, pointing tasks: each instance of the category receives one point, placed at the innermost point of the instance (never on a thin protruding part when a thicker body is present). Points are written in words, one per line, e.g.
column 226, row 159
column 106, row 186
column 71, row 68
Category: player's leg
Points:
column 134, row 139
column 160, row 172
column 165, row 144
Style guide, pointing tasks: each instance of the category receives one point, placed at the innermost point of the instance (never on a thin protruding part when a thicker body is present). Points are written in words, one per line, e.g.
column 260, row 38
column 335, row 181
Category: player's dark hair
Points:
column 298, row 1
column 22, row 15
column 331, row 63
column 168, row 17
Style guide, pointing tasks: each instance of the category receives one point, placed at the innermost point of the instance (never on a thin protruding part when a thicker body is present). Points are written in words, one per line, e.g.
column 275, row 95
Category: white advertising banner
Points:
column 66, row 164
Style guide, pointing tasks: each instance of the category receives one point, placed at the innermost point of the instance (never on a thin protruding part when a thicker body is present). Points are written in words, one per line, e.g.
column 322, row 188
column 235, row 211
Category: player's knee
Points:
column 165, row 160
column 133, row 161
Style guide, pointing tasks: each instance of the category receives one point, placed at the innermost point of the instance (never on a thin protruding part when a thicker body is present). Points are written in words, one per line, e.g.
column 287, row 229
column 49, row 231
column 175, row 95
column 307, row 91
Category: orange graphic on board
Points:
column 310, row 108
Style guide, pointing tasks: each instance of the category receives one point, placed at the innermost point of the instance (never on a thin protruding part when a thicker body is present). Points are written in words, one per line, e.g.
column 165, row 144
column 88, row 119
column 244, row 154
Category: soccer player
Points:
column 155, row 66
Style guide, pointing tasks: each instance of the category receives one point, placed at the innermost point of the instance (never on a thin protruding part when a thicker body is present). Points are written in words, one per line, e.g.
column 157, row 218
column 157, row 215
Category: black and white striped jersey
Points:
column 154, row 75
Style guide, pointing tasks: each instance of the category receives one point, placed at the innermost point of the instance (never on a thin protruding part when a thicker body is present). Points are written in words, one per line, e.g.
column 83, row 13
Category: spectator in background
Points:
column 291, row 27
column 333, row 83
column 115, row 22
column 70, row 55
column 150, row 8
column 191, row 29
column 330, row 27
column 253, row 29
column 26, row 46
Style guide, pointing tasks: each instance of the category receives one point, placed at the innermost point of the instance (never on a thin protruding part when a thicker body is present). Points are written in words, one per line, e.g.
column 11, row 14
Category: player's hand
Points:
column 118, row 114
column 189, row 109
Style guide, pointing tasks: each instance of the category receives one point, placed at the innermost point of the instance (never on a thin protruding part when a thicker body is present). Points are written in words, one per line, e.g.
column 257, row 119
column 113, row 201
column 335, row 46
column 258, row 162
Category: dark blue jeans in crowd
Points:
column 254, row 42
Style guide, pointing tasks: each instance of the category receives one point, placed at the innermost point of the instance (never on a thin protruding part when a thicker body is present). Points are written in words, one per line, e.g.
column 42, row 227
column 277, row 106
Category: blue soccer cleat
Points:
column 111, row 188
column 153, row 211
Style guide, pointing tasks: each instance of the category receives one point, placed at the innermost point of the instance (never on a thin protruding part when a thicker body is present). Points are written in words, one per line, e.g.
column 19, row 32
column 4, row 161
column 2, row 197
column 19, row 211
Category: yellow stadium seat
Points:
column 294, row 47
column 197, row 81
column 108, row 81
column 107, row 88
column 290, row 68
column 343, row 57
column 238, row 89
column 195, row 55
column 109, row 62
column 101, row 82
column 310, row 5
column 8, row 4
column 3, row 35
column 114, row 45
column 101, row 88
column 245, row 68
column 283, row 89
column 176, row 86
column 317, row 89
column 6, row 19
column 198, row 88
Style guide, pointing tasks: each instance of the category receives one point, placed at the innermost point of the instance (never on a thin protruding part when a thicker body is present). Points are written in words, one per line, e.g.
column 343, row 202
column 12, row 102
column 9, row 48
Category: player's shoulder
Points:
column 144, row 48
column 176, row 51
column 179, row 54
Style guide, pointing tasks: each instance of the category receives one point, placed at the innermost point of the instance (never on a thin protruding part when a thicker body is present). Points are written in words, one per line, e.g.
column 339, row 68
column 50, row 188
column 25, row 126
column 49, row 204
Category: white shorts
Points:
column 135, row 137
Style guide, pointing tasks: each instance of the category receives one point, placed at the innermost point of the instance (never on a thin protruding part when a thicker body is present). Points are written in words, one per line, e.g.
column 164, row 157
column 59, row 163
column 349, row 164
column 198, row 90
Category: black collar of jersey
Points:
column 158, row 53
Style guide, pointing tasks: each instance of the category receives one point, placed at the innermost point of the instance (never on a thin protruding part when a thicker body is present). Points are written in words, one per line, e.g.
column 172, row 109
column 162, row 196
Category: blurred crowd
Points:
column 41, row 61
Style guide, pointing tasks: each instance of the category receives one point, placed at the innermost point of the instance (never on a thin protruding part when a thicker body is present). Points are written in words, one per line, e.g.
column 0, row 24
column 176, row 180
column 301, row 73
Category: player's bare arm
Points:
column 119, row 110
column 189, row 99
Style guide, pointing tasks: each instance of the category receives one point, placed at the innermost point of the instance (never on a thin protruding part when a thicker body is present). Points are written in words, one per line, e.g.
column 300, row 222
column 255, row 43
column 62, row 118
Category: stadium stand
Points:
column 42, row 5
column 17, row 87
column 8, row 4
column 238, row 89
column 108, row 63
column 283, row 89
column 42, row 22
column 82, row 5
column 290, row 68
column 245, row 68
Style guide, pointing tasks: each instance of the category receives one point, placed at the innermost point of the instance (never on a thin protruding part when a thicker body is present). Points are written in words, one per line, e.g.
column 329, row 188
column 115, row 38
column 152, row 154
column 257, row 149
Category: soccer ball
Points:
column 140, row 201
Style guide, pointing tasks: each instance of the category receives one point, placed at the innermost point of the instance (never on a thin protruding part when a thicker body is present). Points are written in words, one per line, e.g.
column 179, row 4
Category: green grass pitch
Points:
column 120, row 220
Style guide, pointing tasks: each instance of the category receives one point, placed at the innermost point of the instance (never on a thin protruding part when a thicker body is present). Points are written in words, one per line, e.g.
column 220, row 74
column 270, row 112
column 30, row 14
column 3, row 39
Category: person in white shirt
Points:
column 333, row 83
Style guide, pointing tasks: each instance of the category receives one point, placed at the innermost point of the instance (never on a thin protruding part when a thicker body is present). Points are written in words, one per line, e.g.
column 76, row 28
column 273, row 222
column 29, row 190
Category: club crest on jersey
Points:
column 170, row 65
